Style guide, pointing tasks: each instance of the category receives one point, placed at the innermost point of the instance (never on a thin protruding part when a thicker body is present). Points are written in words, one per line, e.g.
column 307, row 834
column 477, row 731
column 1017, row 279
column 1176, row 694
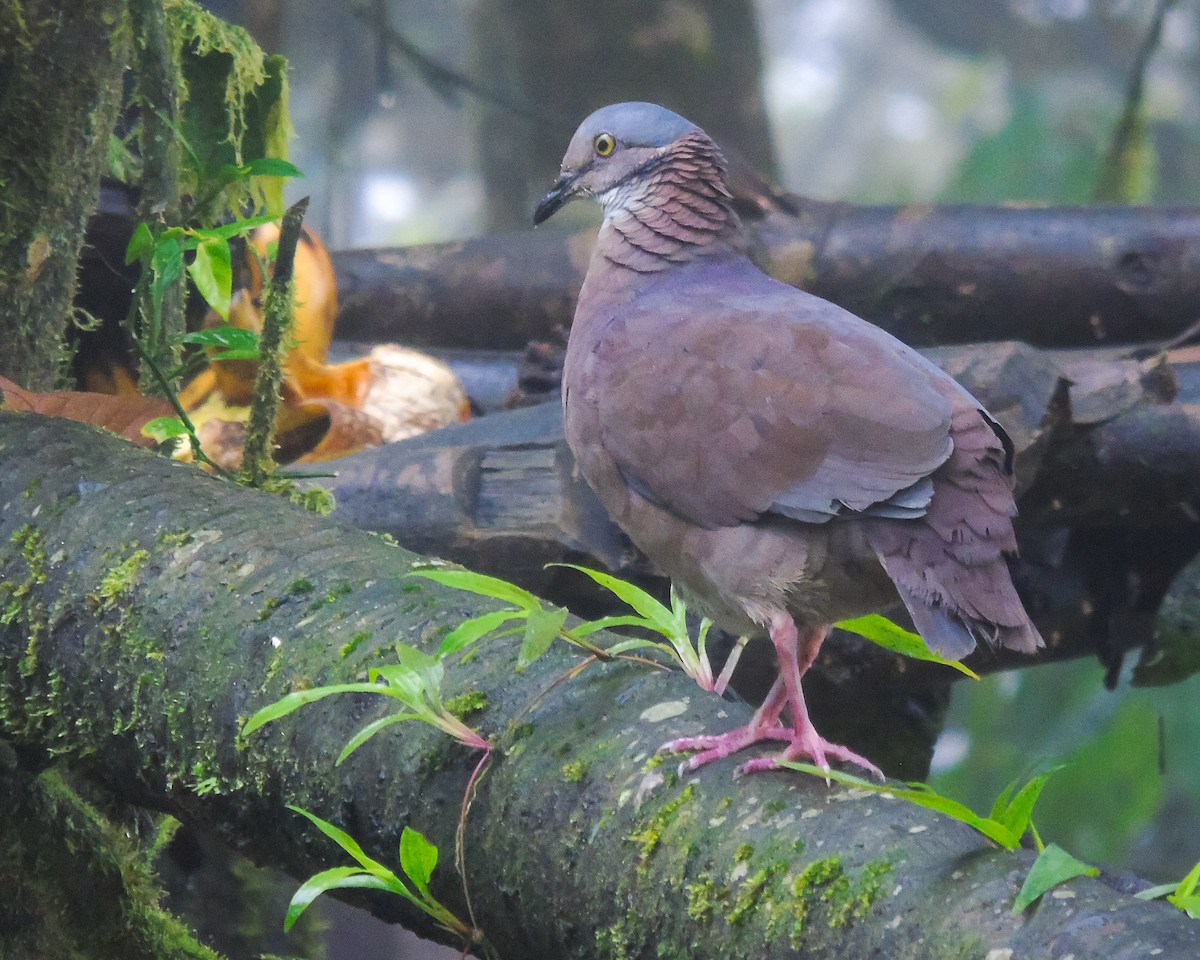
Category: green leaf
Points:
column 140, row 244
column 1000, row 804
column 881, row 631
column 232, row 343
column 372, row 728
column 1018, row 812
column 1153, row 893
column 484, row 585
column 640, row 643
column 540, row 630
column 293, row 701
column 659, row 617
column 166, row 262
column 161, row 429
column 471, row 630
column 1187, row 886
column 212, row 272
column 1053, row 866
column 1189, row 905
column 270, row 167
column 607, row 623
column 236, row 228
column 405, row 684
column 922, row 796
column 346, row 842
column 418, row 858
column 337, row 878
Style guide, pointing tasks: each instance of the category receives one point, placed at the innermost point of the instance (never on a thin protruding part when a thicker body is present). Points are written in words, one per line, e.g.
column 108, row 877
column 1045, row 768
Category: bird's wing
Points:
column 727, row 409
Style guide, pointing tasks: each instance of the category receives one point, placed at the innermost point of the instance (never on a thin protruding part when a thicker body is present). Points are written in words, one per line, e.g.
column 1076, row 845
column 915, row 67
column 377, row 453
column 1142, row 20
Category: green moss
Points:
column 575, row 771
column 855, row 900
column 175, row 538
column 467, row 703
column 650, row 835
column 743, row 853
column 705, row 896
column 356, row 641
column 21, row 603
column 317, row 499
column 774, row 806
column 807, row 892
column 655, row 760
column 270, row 605
column 724, row 804
column 751, row 891
column 331, row 597
column 300, row 586
column 119, row 580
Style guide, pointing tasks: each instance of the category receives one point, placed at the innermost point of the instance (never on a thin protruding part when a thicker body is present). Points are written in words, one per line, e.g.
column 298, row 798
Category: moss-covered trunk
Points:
column 60, row 89
column 147, row 609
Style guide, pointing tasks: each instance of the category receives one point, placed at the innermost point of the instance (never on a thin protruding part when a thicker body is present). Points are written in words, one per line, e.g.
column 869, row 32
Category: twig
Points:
column 1115, row 170
column 173, row 399
column 258, row 461
column 446, row 82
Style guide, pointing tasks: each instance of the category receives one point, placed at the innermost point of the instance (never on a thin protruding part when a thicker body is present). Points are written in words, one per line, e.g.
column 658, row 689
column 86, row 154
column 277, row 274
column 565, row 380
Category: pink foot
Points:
column 809, row 745
column 720, row 746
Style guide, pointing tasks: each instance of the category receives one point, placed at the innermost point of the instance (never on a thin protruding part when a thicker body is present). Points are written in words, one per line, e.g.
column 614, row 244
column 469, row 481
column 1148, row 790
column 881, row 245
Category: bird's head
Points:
column 612, row 153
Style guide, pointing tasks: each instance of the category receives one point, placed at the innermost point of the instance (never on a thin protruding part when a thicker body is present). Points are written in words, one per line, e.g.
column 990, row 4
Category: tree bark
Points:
column 1053, row 276
column 148, row 609
column 60, row 89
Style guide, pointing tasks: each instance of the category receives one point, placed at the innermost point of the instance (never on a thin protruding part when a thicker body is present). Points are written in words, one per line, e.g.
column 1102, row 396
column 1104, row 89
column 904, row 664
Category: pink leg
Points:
column 803, row 740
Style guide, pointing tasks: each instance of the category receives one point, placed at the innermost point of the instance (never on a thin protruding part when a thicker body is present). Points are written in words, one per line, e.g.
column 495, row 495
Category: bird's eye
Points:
column 604, row 144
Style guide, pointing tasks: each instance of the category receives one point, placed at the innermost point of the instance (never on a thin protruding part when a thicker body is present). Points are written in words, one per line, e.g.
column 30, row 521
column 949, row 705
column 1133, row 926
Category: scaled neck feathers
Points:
column 671, row 210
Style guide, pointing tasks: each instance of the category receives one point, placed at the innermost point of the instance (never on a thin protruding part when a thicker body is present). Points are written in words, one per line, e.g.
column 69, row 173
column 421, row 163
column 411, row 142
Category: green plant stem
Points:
column 598, row 652
column 258, row 461
column 1116, row 173
column 172, row 397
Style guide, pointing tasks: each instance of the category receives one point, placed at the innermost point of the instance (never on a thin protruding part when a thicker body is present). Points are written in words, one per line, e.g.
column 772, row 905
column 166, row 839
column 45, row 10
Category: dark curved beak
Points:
column 562, row 191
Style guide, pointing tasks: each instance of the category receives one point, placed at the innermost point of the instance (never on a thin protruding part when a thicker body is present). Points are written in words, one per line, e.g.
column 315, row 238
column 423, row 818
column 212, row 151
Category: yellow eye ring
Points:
column 604, row 144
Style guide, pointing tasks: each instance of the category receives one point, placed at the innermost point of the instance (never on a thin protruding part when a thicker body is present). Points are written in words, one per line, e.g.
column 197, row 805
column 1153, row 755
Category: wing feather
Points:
column 724, row 407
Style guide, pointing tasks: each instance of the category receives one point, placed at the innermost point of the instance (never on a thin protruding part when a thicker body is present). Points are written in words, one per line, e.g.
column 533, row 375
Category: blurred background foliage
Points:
column 423, row 121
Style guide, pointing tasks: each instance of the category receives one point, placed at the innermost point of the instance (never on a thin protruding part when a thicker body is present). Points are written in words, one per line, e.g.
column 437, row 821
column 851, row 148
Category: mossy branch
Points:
column 575, row 845
column 258, row 461
column 56, row 846
column 161, row 324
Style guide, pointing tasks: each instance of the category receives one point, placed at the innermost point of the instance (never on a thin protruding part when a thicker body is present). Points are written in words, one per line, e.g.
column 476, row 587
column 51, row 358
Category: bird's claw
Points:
column 802, row 745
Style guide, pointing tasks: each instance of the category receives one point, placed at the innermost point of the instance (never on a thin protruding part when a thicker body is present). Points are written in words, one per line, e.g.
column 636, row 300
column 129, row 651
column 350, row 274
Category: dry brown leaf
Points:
column 123, row 415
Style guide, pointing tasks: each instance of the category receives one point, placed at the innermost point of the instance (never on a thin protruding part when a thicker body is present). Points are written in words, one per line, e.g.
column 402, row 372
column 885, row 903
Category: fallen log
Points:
column 149, row 609
column 1051, row 276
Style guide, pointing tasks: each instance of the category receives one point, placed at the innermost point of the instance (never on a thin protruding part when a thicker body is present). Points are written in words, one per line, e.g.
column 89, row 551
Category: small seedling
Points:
column 418, row 859
column 1182, row 894
column 651, row 615
column 416, row 681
